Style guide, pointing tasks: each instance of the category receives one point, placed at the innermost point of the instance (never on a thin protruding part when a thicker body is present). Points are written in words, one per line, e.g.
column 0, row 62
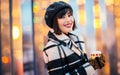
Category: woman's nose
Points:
column 68, row 19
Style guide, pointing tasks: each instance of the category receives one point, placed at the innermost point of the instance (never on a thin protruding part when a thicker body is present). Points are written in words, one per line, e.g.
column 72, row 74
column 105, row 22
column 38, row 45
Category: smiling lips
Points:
column 68, row 25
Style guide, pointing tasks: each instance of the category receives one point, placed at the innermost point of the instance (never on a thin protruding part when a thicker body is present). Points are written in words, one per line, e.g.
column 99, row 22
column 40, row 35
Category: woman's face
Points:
column 66, row 22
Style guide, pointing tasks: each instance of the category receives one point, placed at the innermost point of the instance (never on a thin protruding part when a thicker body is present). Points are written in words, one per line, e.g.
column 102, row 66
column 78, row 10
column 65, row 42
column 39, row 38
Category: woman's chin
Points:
column 67, row 31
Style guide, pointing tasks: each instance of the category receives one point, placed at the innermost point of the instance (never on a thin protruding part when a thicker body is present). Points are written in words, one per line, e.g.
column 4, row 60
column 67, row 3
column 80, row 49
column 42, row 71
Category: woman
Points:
column 64, row 53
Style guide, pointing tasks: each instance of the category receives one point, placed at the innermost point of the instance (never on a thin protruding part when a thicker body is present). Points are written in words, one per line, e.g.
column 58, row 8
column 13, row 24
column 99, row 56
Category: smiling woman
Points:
column 64, row 53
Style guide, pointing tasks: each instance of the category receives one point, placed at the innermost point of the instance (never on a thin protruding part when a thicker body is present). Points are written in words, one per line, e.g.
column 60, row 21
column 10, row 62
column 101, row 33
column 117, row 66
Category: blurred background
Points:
column 23, row 33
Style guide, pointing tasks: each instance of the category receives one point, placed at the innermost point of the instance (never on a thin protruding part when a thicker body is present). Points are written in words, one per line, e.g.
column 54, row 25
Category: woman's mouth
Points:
column 68, row 25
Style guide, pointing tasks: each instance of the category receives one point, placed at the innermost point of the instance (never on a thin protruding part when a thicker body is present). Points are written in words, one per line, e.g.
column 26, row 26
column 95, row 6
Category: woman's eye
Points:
column 69, row 15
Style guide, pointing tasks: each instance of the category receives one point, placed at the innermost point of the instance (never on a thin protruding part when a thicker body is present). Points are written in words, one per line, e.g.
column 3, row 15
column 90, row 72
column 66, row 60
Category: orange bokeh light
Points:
column 5, row 59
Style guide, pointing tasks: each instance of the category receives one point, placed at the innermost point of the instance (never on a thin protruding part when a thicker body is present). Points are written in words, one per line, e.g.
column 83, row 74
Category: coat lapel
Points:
column 69, row 43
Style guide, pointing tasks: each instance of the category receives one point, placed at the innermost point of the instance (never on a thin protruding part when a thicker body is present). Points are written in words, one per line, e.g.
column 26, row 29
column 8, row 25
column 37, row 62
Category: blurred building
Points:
column 23, row 33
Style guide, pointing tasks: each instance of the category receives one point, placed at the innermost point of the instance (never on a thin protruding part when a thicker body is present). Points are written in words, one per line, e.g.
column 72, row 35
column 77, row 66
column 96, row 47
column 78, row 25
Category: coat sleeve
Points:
column 52, row 60
column 85, row 69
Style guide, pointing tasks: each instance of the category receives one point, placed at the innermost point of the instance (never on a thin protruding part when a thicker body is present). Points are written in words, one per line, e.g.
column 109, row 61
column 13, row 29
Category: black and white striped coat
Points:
column 64, row 56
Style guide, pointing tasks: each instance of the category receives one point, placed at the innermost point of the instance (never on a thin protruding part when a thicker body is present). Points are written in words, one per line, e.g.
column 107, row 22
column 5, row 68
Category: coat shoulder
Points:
column 50, row 44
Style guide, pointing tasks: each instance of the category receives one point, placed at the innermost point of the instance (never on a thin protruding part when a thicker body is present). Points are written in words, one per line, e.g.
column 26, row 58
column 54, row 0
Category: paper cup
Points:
column 95, row 53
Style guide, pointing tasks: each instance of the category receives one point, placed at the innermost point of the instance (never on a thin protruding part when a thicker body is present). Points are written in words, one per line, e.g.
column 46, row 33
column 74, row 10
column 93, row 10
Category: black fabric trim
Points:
column 87, row 65
column 79, row 41
column 79, row 44
column 70, row 44
column 57, row 72
column 49, row 47
column 46, row 53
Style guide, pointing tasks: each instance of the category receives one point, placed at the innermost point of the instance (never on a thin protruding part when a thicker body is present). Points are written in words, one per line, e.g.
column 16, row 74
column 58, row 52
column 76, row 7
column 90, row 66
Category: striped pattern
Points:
column 55, row 57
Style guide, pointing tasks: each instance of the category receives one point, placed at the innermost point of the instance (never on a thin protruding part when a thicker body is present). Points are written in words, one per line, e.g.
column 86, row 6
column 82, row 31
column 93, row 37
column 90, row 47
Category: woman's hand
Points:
column 98, row 62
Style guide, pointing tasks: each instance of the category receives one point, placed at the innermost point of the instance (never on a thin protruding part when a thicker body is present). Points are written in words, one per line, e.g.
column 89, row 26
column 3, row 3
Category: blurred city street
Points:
column 23, row 33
